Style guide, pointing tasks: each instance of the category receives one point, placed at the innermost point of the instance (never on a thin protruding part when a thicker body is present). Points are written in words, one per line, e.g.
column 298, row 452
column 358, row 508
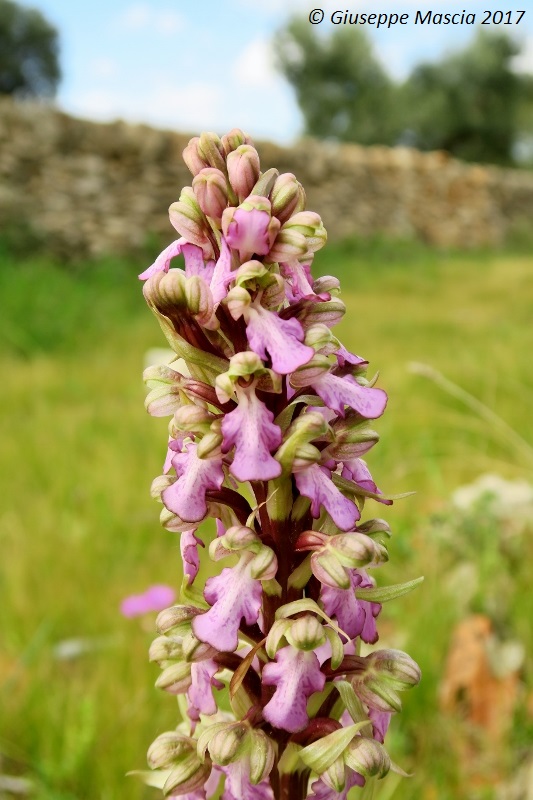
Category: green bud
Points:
column 174, row 618
column 265, row 182
column 319, row 337
column 261, row 755
column 227, row 744
column 168, row 748
column 211, row 192
column 192, row 418
column 164, row 649
column 200, row 302
column 306, row 633
column 175, row 678
column 264, row 565
column 320, row 755
column 396, row 667
column 195, row 650
column 286, row 196
column 327, row 283
column 188, row 776
column 210, row 444
column 335, row 775
column 314, row 368
column 159, row 484
column 234, row 139
column 192, row 158
column 357, row 550
column 237, row 301
column 188, row 218
column 367, row 757
column 211, row 150
column 330, row 312
column 288, row 244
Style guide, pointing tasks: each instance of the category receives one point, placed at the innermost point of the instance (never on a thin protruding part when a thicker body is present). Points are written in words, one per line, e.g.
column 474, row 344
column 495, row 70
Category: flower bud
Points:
column 164, row 649
column 209, row 445
column 192, row 158
column 192, row 418
column 195, row 650
column 237, row 301
column 309, row 224
column 210, row 149
column 319, row 337
column 227, row 744
column 200, row 302
column 211, row 191
column 327, row 283
column 396, row 667
column 367, row 757
column 265, row 182
column 168, row 748
column 261, row 755
column 264, row 565
column 357, row 550
column 173, row 618
column 175, row 678
column 234, row 139
column 306, row 633
column 188, row 776
column 288, row 245
column 243, row 170
column 286, row 196
column 189, row 220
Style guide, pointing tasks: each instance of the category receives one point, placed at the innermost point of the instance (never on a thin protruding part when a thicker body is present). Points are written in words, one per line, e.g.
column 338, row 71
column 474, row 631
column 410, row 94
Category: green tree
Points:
column 342, row 90
column 470, row 103
column 29, row 47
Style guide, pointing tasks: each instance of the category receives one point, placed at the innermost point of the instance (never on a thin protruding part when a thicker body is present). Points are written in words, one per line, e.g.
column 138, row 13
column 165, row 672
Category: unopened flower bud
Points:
column 192, row 158
column 265, row 182
column 164, row 649
column 210, row 149
column 171, row 619
column 396, row 667
column 175, row 678
column 261, row 755
column 288, row 245
column 367, row 757
column 264, row 565
column 309, row 224
column 306, row 633
column 168, row 748
column 192, row 418
column 227, row 744
column 285, row 196
column 211, row 191
column 209, row 445
column 188, row 218
column 188, row 776
column 243, row 170
column 327, row 283
column 234, row 139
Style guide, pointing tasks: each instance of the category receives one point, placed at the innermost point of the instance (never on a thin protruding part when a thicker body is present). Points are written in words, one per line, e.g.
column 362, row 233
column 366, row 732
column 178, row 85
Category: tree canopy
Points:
column 472, row 103
column 29, row 52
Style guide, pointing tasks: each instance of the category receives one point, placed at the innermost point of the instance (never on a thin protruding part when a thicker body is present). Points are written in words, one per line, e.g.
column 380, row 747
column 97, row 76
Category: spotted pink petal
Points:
column 357, row 471
column 296, row 675
column 248, row 232
column 189, row 554
column 281, row 338
column 337, row 392
column 251, row 429
column 315, row 483
column 355, row 617
column 186, row 497
column 232, row 595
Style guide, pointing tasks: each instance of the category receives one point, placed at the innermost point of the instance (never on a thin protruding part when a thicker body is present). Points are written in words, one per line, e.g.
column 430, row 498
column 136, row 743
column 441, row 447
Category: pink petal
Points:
column 186, row 497
column 296, row 675
column 222, row 274
column 199, row 694
column 248, row 232
column 355, row 617
column 282, row 339
column 357, row 471
column 250, row 428
column 233, row 594
column 162, row 262
column 338, row 392
column 189, row 554
column 297, row 280
column 323, row 792
column 239, row 787
column 315, row 483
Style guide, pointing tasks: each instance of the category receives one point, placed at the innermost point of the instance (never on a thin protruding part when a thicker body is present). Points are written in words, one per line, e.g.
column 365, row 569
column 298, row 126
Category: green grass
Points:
column 79, row 530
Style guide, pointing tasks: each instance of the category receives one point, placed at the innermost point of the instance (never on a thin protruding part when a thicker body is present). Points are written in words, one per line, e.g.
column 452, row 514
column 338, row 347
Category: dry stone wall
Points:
column 88, row 188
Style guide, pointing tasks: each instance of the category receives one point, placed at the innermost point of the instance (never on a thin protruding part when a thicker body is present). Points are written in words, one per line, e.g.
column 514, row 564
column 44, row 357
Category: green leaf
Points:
column 321, row 754
column 351, row 701
column 381, row 594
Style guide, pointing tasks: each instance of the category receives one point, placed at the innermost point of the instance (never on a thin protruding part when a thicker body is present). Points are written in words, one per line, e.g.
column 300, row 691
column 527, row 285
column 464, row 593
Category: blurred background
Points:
column 416, row 146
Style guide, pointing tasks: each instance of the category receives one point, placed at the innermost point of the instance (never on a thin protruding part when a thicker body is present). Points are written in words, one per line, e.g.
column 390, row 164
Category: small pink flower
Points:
column 155, row 598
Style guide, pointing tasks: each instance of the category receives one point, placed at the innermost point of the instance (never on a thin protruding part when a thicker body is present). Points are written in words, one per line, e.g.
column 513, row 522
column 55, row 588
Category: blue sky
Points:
column 193, row 65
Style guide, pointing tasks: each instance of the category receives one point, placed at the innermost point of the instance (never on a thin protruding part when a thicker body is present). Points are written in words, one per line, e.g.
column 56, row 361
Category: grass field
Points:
column 79, row 530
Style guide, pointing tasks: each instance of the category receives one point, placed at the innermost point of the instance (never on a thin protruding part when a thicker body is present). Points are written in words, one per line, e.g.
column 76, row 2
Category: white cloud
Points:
column 254, row 67
column 142, row 17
